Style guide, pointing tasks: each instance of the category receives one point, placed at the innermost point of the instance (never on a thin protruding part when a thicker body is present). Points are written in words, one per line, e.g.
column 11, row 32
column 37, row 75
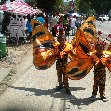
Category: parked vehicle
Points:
column 109, row 37
column 103, row 17
column 109, row 14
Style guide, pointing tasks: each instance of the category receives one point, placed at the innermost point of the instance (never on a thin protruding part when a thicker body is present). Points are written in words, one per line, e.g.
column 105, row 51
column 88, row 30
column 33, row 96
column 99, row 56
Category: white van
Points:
column 104, row 18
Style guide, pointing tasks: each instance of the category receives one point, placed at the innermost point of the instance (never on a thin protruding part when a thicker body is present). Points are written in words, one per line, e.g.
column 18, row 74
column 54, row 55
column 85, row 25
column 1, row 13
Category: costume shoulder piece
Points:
column 68, row 46
column 80, row 67
column 35, row 23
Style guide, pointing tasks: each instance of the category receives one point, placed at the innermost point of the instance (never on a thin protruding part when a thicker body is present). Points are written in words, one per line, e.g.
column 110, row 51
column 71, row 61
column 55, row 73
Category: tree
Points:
column 49, row 5
column 86, row 8
column 100, row 6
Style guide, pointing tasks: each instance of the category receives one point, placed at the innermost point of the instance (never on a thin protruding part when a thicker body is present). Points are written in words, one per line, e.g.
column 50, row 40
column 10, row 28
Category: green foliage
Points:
column 84, row 8
column 59, row 6
column 100, row 6
column 48, row 5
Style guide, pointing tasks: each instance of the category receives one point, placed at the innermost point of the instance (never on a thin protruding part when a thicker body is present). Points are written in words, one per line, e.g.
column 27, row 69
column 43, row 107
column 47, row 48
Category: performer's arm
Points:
column 108, row 59
column 92, row 60
column 56, row 50
column 72, row 56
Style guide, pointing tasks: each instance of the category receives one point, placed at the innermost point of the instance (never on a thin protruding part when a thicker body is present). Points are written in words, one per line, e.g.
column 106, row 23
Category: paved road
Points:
column 34, row 91
column 105, row 28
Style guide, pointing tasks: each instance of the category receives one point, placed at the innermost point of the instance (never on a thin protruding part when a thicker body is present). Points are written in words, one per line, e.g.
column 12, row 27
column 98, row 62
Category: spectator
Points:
column 40, row 17
column 29, row 27
column 72, row 24
column 5, row 22
column 78, row 22
column 24, row 24
column 61, row 21
column 46, row 21
column 66, row 24
column 53, row 21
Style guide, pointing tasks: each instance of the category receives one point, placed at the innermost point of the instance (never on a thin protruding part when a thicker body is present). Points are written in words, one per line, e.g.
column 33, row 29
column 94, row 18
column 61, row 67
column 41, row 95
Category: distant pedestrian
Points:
column 66, row 24
column 78, row 22
column 40, row 18
column 29, row 28
column 72, row 24
column 46, row 21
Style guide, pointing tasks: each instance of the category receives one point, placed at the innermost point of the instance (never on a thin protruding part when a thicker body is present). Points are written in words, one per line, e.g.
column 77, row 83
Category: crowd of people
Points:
column 69, row 23
column 51, row 21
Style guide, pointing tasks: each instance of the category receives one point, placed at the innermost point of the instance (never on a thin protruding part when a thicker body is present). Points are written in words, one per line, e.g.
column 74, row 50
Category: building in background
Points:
column 72, row 5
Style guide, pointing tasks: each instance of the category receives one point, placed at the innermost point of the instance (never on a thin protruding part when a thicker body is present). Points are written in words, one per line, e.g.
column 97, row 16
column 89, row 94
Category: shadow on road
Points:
column 72, row 99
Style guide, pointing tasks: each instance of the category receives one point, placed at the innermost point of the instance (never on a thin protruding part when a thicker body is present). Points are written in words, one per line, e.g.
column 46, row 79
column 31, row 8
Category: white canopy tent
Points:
column 19, row 7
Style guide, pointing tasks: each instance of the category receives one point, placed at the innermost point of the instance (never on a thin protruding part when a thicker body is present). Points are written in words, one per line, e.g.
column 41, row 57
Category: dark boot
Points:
column 93, row 97
column 58, row 88
column 68, row 92
column 104, row 99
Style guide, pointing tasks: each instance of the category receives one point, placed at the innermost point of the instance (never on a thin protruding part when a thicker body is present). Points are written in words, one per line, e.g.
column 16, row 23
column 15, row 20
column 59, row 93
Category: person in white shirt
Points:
column 25, row 22
column 54, row 21
column 72, row 24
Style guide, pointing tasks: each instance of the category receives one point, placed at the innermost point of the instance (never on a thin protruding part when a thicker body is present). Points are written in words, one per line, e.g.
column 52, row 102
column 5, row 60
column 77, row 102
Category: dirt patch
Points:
column 15, row 57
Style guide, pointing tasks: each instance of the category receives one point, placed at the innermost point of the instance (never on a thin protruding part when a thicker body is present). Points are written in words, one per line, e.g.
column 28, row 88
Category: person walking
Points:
column 29, row 28
column 72, row 24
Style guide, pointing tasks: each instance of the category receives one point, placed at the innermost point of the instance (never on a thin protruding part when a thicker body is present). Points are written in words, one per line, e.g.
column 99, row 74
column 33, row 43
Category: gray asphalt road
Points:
column 105, row 26
column 34, row 91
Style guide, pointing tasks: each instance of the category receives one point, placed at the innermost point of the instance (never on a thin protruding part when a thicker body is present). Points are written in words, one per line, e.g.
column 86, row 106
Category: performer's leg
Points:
column 95, row 89
column 73, row 30
column 102, row 88
column 59, row 74
column 102, row 92
column 95, row 86
column 66, row 84
column 102, row 80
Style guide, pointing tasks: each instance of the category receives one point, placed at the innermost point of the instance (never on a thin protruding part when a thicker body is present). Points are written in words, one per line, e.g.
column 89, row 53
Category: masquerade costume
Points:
column 61, row 66
column 62, row 59
column 99, row 71
column 44, row 55
column 99, row 77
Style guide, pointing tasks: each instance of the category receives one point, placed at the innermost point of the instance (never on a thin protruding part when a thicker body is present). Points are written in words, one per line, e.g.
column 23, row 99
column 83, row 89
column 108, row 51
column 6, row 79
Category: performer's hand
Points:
column 97, row 62
column 72, row 55
column 92, row 60
column 56, row 50
column 62, row 53
column 108, row 61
